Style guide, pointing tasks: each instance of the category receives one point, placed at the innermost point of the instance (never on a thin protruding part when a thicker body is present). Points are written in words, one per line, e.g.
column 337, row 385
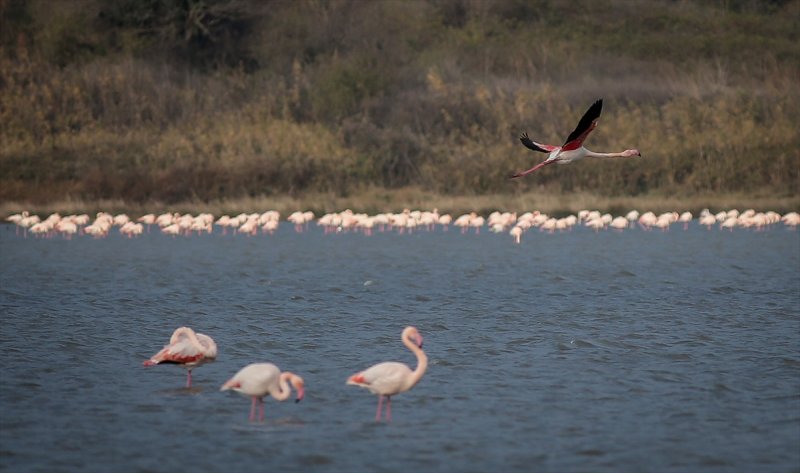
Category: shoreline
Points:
column 383, row 200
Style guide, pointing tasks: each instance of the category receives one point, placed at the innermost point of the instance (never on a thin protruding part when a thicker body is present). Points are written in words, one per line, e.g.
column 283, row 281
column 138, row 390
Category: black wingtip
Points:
column 592, row 114
column 597, row 107
column 528, row 143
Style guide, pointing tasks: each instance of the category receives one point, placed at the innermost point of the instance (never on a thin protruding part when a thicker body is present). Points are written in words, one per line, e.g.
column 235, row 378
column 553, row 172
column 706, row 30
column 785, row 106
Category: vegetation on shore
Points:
column 384, row 105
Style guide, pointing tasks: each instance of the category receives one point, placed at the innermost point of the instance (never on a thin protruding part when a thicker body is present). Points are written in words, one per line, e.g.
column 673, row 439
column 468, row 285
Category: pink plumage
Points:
column 572, row 149
column 390, row 378
column 187, row 349
column 264, row 379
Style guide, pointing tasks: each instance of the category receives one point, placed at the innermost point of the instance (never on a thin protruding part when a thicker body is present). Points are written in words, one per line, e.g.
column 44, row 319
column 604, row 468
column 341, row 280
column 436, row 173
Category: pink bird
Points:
column 264, row 379
column 573, row 149
column 390, row 378
column 188, row 349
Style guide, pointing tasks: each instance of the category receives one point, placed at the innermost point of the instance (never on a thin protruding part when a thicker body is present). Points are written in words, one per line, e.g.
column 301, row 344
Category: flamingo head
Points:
column 413, row 334
column 631, row 152
column 299, row 386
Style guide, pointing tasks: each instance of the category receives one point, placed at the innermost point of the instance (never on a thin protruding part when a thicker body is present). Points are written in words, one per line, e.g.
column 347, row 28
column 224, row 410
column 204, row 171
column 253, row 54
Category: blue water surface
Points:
column 577, row 351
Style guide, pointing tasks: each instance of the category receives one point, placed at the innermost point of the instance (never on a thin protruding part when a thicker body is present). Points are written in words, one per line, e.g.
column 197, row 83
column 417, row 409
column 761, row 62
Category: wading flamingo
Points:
column 572, row 149
column 390, row 378
column 264, row 379
column 187, row 349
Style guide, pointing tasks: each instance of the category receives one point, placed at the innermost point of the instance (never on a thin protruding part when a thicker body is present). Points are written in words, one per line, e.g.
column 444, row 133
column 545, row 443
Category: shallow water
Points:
column 579, row 351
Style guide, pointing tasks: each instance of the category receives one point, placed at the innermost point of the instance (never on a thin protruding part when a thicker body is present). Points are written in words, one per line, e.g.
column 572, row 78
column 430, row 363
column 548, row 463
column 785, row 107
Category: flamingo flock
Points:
column 405, row 222
column 647, row 221
column 189, row 349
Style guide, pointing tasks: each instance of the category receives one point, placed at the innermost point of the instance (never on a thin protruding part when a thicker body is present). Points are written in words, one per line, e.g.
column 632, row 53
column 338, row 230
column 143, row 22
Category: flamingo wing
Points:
column 383, row 378
column 585, row 126
column 256, row 379
column 530, row 144
column 181, row 352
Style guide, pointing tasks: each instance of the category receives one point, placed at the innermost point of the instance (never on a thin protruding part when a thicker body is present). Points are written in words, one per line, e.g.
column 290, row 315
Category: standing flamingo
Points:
column 573, row 149
column 261, row 379
column 390, row 378
column 188, row 349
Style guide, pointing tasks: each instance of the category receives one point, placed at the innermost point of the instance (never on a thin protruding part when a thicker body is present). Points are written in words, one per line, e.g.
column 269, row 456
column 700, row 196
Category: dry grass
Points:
column 381, row 200
column 432, row 101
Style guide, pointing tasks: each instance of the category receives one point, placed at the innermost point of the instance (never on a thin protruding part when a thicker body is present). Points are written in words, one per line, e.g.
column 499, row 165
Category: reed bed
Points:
column 434, row 104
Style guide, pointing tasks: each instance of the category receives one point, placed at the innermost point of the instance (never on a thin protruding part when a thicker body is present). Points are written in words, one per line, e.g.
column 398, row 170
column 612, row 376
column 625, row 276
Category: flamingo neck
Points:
column 422, row 362
column 593, row 154
column 283, row 384
column 192, row 336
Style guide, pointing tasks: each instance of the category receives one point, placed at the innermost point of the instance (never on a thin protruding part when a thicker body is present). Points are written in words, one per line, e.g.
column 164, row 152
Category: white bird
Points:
column 68, row 228
column 620, row 223
column 390, row 378
column 685, row 217
column 147, row 219
column 516, row 232
column 16, row 218
column 729, row 223
column 187, row 349
column 791, row 219
column 572, row 149
column 708, row 220
column 264, row 379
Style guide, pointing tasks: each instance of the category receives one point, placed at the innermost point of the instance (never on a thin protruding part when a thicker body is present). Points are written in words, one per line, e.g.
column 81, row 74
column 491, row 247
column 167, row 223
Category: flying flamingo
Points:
column 390, row 378
column 264, row 379
column 187, row 349
column 573, row 149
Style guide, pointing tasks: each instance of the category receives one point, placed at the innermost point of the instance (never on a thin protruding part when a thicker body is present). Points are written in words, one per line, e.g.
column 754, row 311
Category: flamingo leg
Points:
column 261, row 410
column 378, row 412
column 252, row 410
column 388, row 408
column 189, row 379
column 540, row 165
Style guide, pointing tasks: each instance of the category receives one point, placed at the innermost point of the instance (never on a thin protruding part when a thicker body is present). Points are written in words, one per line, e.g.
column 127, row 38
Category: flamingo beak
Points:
column 301, row 391
column 419, row 340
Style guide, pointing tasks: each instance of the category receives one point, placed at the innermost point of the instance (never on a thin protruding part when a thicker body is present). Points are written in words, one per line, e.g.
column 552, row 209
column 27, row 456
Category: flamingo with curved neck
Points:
column 264, row 379
column 187, row 349
column 389, row 378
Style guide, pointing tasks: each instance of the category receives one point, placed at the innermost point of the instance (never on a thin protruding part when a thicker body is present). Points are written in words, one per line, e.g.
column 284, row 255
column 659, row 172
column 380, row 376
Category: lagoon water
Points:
column 638, row 351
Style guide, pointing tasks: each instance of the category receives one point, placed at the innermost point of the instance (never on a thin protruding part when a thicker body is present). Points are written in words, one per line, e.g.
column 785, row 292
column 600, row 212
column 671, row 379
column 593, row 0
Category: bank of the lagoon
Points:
column 395, row 200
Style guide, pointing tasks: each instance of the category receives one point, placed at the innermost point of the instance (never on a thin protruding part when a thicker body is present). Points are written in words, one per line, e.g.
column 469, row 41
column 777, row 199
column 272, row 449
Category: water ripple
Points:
column 570, row 359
